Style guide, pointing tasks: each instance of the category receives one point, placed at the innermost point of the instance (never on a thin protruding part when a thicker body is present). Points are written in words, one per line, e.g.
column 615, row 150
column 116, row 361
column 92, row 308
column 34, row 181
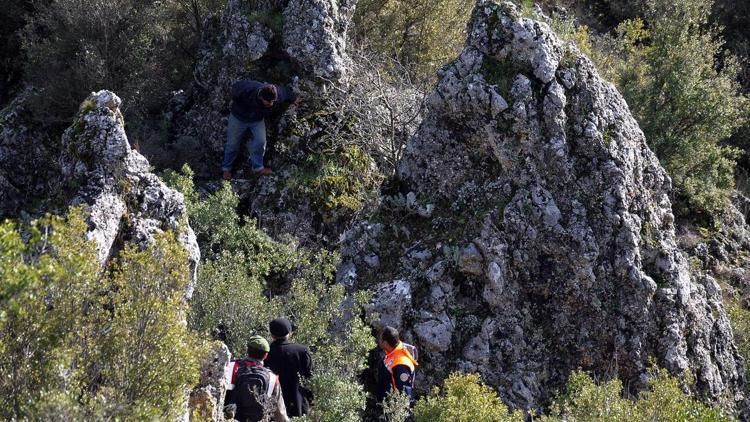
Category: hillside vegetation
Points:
column 561, row 260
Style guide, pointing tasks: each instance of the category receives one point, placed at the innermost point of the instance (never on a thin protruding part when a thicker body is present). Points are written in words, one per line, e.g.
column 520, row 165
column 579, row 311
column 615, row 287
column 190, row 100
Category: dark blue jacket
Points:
column 245, row 103
column 402, row 376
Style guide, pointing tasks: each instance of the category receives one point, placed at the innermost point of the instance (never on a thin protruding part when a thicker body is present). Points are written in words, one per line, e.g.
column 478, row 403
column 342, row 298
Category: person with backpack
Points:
column 254, row 389
column 252, row 101
column 399, row 364
column 291, row 361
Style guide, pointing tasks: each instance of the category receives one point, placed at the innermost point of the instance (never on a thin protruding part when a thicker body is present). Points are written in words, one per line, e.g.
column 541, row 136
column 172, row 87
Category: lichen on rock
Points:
column 126, row 202
column 571, row 261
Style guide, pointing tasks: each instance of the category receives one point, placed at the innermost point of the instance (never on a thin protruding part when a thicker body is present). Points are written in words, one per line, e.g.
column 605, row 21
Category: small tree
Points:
column 383, row 105
column 79, row 342
column 424, row 33
column 685, row 106
column 464, row 398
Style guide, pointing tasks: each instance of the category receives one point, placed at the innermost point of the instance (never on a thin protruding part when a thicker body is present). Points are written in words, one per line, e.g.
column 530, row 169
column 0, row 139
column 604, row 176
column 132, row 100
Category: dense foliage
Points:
column 141, row 49
column 464, row 398
column 424, row 33
column 79, row 342
column 685, row 103
column 665, row 400
column 246, row 279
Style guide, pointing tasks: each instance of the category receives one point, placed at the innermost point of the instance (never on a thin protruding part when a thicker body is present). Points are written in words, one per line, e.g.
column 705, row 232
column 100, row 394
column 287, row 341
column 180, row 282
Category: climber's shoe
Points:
column 265, row 171
column 227, row 175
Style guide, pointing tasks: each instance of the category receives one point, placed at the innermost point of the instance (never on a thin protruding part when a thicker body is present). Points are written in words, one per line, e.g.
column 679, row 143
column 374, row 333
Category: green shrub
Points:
column 339, row 183
column 246, row 279
column 82, row 343
column 422, row 33
column 141, row 49
column 666, row 69
column 740, row 319
column 665, row 400
column 336, row 399
column 464, row 398
column 147, row 331
column 396, row 406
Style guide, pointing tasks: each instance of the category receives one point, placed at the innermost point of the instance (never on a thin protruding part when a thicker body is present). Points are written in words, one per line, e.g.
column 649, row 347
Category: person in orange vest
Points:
column 397, row 371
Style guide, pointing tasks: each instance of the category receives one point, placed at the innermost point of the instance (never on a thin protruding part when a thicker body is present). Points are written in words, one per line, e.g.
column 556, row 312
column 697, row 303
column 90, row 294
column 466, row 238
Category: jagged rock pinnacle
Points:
column 126, row 201
column 553, row 226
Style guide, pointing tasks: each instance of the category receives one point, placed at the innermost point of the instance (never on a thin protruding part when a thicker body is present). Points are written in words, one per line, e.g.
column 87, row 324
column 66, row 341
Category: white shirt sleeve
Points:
column 228, row 369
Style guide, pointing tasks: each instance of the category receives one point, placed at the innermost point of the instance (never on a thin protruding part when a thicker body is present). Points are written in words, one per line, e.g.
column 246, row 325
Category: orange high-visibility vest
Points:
column 399, row 356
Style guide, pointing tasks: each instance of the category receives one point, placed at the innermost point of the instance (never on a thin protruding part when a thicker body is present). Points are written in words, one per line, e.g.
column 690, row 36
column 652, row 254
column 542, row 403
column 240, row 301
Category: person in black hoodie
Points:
column 252, row 101
column 290, row 361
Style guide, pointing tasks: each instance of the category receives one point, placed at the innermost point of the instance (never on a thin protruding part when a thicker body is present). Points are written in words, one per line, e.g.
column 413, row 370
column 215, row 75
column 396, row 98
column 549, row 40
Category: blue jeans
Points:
column 255, row 148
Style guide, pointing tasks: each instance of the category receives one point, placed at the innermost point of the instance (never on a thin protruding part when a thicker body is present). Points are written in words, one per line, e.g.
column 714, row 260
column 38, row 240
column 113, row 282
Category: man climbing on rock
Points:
column 291, row 361
column 252, row 101
column 397, row 371
column 254, row 392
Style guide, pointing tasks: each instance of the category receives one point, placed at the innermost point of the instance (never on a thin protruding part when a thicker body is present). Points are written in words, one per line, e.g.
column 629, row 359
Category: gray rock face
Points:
column 315, row 35
column 535, row 163
column 389, row 302
column 126, row 202
column 207, row 398
column 26, row 163
column 274, row 41
column 720, row 250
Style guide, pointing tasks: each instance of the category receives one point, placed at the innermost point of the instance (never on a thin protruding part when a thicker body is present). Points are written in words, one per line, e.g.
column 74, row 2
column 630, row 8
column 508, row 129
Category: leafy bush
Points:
column 336, row 399
column 464, row 398
column 339, row 183
column 142, row 49
column 424, row 33
column 396, row 406
column 82, row 343
column 664, row 401
column 666, row 69
column 246, row 279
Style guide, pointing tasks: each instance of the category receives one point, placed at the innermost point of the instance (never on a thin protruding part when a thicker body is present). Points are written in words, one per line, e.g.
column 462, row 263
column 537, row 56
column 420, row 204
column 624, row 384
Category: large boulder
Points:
column 552, row 229
column 315, row 35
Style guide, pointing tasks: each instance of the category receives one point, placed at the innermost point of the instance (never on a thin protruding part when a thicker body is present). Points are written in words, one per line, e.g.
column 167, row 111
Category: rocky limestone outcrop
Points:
column 27, row 159
column 299, row 43
column 315, row 35
column 206, row 402
column 126, row 202
column 550, row 244
column 93, row 166
column 719, row 247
